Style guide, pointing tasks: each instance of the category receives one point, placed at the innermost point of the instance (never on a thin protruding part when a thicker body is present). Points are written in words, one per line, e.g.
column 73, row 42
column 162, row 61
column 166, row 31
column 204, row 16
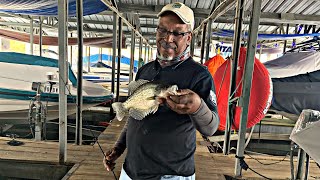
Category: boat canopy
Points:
column 49, row 7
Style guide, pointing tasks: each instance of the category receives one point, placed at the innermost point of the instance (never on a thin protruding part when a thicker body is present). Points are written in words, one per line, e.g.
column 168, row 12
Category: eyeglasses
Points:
column 164, row 33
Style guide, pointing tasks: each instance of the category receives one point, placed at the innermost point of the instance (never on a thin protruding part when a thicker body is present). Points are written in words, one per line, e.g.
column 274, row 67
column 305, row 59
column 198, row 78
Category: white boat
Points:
column 22, row 74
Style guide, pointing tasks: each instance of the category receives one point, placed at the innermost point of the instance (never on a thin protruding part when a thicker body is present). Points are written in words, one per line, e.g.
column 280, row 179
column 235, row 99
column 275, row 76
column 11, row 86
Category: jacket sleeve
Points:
column 121, row 142
column 206, row 118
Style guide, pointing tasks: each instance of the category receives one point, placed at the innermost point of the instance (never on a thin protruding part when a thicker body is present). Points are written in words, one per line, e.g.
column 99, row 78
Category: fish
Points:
column 144, row 99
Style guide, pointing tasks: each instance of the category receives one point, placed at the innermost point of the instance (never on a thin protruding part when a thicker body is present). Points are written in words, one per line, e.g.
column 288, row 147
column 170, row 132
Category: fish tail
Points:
column 119, row 109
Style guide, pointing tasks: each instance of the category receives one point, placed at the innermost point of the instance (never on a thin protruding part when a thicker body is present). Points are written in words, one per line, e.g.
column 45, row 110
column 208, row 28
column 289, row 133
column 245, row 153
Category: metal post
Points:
column 203, row 42
column 63, row 79
column 38, row 123
column 233, row 72
column 140, row 48
column 148, row 54
column 145, row 53
column 301, row 160
column 71, row 53
column 31, row 35
column 260, row 51
column 80, row 71
column 133, row 44
column 100, row 51
column 119, row 58
column 307, row 168
column 285, row 42
column 40, row 35
column 89, row 58
column 248, row 72
column 209, row 35
column 152, row 53
column 192, row 44
column 114, row 48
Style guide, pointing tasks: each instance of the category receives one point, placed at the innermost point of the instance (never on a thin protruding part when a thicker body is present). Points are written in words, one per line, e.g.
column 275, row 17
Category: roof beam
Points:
column 283, row 18
column 153, row 10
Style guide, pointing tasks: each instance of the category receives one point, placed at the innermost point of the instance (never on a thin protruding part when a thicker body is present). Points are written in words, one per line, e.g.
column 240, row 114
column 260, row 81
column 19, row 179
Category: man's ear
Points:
column 189, row 38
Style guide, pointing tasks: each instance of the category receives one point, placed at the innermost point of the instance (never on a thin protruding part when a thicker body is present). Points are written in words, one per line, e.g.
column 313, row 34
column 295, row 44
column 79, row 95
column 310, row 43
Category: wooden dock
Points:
column 88, row 159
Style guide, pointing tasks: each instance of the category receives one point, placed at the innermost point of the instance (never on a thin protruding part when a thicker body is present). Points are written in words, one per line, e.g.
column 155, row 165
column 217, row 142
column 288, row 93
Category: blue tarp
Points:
column 19, row 58
column 49, row 7
column 230, row 33
column 96, row 57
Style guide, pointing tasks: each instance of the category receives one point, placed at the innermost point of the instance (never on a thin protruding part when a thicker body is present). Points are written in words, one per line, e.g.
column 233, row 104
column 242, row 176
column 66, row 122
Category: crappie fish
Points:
column 144, row 99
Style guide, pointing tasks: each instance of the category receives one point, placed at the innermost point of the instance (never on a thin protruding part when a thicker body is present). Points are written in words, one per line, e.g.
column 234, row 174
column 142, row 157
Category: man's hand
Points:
column 184, row 102
column 110, row 157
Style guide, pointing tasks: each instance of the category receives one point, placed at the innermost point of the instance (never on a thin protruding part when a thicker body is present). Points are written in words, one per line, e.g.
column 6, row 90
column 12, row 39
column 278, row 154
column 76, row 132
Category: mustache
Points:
column 166, row 45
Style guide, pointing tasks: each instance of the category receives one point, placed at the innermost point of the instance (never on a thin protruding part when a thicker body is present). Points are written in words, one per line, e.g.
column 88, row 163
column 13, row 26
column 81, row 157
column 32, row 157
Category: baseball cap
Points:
column 183, row 11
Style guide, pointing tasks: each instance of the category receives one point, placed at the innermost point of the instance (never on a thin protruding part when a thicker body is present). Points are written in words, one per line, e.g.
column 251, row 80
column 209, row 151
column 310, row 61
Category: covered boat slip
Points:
column 136, row 20
column 87, row 160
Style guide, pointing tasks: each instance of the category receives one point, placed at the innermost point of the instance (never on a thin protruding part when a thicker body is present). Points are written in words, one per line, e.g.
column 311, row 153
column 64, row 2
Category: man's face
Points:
column 173, row 36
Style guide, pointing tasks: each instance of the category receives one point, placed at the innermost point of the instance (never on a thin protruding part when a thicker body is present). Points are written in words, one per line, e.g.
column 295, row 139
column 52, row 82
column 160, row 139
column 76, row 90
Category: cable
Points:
column 267, row 164
column 245, row 166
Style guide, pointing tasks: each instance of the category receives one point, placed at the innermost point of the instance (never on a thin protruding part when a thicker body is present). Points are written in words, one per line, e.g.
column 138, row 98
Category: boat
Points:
column 26, row 80
column 296, row 83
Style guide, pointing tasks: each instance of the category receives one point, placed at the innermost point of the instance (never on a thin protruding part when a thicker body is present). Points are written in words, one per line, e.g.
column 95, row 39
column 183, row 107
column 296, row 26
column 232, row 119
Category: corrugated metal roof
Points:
column 275, row 15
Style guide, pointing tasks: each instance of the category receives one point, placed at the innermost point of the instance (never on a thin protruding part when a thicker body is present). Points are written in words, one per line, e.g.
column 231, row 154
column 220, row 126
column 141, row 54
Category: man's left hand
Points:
column 184, row 102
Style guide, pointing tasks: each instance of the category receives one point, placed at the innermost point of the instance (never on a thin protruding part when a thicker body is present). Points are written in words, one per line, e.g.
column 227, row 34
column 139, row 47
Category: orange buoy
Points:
column 214, row 63
column 260, row 93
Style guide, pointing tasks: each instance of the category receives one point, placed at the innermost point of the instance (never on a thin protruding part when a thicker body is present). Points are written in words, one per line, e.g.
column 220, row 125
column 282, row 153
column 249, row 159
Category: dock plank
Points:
column 209, row 166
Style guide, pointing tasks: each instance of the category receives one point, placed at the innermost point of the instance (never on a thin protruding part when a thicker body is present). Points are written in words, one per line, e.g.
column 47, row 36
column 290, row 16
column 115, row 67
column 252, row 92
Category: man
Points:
column 162, row 145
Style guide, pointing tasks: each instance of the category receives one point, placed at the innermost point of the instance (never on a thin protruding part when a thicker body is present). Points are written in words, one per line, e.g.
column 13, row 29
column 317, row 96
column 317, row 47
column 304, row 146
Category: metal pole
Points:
column 148, row 54
column 192, row 45
column 203, row 42
column 248, row 72
column 285, row 42
column 209, row 35
column 89, row 58
column 133, row 44
column 114, row 48
column 63, row 78
column 100, row 51
column 119, row 58
column 233, row 72
column 31, row 35
column 40, row 35
column 151, row 53
column 307, row 168
column 140, row 48
column 260, row 51
column 145, row 53
column 80, row 71
column 301, row 160
column 71, row 53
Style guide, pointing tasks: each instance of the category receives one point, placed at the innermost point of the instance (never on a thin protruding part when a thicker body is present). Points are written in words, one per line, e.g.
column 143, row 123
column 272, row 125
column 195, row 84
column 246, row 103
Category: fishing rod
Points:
column 94, row 137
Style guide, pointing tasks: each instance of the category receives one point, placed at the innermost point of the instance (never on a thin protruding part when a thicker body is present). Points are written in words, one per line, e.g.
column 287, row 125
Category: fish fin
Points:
column 133, row 85
column 140, row 114
column 154, row 109
column 137, row 114
column 119, row 109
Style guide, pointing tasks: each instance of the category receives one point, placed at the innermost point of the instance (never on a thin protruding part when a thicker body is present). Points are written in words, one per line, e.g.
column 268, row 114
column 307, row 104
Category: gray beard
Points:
column 168, row 61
